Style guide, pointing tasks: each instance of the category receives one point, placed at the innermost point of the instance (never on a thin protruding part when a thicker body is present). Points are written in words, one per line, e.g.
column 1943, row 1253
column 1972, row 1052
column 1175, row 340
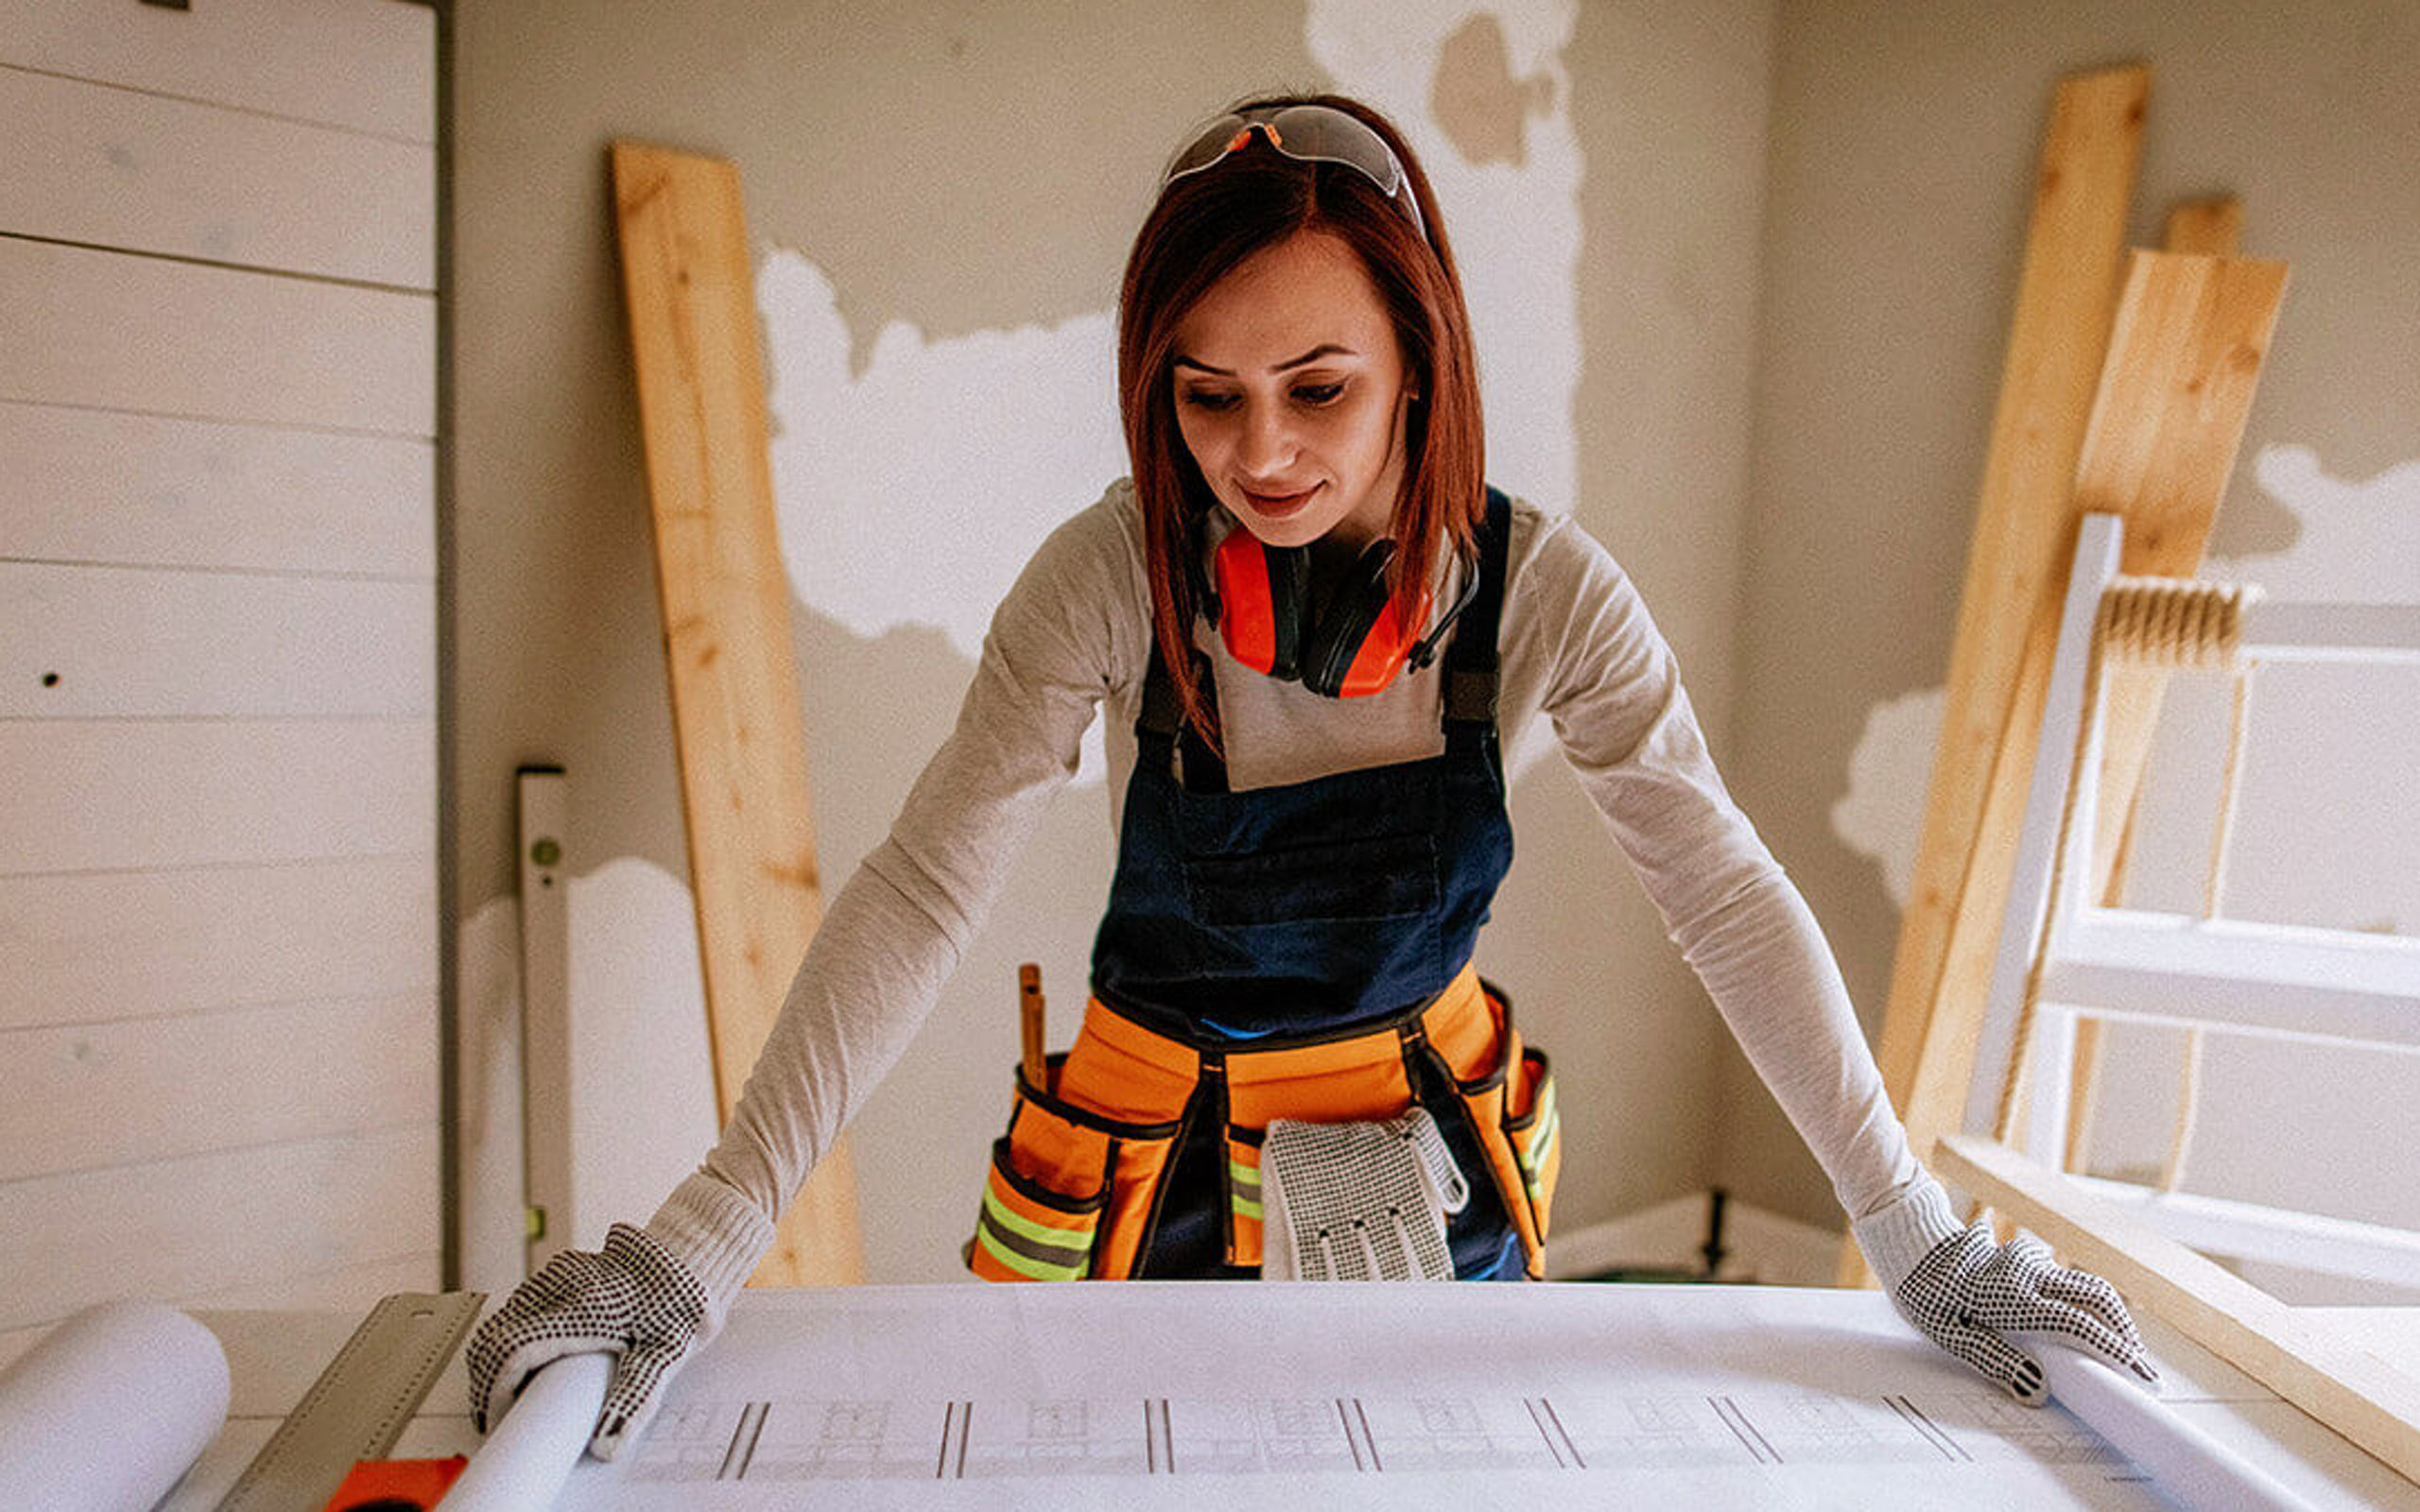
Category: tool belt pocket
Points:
column 1509, row 1109
column 1069, row 1192
column 1536, row 1129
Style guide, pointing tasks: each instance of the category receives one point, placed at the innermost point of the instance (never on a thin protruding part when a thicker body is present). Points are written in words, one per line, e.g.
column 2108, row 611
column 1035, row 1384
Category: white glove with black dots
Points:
column 634, row 1300
column 1971, row 1293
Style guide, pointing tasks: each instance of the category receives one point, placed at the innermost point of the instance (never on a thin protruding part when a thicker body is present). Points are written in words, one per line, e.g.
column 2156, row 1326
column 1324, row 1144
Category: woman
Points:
column 1315, row 617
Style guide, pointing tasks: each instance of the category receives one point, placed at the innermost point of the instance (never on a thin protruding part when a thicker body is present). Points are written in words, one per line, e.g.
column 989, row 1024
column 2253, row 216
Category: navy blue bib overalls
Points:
column 1300, row 951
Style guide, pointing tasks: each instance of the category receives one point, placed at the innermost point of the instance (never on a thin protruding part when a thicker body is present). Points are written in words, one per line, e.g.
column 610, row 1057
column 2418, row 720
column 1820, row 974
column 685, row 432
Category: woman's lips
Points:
column 1278, row 506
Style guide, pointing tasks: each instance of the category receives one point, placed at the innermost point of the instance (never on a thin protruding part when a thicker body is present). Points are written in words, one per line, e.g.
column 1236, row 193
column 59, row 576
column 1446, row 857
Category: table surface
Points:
column 274, row 1356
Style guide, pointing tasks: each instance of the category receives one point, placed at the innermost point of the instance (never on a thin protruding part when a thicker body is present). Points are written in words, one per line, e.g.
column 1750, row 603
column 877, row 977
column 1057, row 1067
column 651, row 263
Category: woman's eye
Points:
column 1319, row 393
column 1210, row 402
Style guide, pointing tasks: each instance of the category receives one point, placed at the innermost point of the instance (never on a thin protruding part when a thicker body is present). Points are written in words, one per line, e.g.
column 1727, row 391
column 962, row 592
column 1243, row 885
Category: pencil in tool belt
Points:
column 1029, row 1009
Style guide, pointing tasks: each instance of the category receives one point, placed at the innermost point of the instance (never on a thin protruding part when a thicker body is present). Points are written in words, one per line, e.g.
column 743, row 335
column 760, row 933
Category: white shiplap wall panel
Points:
column 211, row 1221
column 143, row 491
column 218, row 822
column 86, row 947
column 93, row 795
column 114, row 330
column 113, row 167
column 213, row 1081
column 367, row 65
column 351, row 1289
column 112, row 641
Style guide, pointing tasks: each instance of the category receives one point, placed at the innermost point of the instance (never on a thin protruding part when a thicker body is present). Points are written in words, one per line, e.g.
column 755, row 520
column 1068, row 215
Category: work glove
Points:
column 636, row 1300
column 1970, row 1293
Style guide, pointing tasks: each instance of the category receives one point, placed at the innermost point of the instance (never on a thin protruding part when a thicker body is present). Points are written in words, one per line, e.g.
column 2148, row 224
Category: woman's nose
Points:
column 1267, row 448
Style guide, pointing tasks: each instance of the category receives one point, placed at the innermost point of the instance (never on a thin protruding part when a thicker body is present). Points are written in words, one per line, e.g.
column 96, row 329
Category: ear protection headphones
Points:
column 1349, row 646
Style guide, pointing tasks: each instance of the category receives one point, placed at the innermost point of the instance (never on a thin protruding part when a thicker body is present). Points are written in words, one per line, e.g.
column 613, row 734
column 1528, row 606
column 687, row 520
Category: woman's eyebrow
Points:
column 1323, row 349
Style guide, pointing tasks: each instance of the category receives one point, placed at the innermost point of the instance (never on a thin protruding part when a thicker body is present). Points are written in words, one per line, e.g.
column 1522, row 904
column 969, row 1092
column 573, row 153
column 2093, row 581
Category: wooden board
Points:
column 188, row 1083
column 2065, row 299
column 367, row 67
column 90, row 795
column 113, row 168
column 147, row 490
column 114, row 331
column 93, row 946
column 2206, row 228
column 742, row 739
column 211, row 1221
column 2349, row 1389
column 142, row 643
column 2183, row 359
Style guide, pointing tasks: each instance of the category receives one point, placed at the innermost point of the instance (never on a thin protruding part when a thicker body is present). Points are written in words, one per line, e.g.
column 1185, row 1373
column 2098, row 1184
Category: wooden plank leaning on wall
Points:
column 2203, row 228
column 2065, row 299
column 741, row 737
column 2185, row 358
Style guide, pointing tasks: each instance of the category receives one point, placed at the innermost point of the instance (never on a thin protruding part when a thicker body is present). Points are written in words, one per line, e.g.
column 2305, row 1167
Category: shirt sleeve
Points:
column 1626, row 726
column 897, row 928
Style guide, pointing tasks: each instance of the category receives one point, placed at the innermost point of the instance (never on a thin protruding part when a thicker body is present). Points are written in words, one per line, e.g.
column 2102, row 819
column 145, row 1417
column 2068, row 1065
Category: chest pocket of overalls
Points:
column 1382, row 878
column 1354, row 847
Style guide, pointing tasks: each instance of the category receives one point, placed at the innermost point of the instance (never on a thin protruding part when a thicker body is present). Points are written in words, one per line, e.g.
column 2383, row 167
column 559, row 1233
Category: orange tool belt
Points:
column 1076, row 1184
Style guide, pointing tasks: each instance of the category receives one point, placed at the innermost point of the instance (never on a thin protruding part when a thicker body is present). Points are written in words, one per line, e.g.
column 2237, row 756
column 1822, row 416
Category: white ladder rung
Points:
column 2280, row 980
column 2247, row 1230
column 2331, row 632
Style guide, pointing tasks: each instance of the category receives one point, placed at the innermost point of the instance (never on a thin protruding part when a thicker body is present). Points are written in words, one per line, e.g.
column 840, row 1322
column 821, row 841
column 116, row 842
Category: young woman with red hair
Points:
column 1307, row 616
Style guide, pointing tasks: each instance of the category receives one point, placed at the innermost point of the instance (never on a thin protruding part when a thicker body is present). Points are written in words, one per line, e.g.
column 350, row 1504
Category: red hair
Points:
column 1202, row 226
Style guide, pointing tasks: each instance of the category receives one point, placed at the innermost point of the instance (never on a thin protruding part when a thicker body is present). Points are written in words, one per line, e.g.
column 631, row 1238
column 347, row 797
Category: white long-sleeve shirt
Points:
column 1073, row 639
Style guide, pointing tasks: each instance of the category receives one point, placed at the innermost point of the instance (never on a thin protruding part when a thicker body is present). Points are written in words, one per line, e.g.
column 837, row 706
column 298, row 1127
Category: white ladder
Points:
column 2226, row 977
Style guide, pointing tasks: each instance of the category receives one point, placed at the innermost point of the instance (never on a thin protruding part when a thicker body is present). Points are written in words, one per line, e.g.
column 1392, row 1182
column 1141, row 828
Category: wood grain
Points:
column 687, row 278
column 2348, row 1389
column 2212, row 227
column 90, row 946
column 90, row 795
column 104, row 330
column 110, row 643
column 115, row 168
column 2065, row 299
column 145, row 491
column 369, row 68
column 2184, row 360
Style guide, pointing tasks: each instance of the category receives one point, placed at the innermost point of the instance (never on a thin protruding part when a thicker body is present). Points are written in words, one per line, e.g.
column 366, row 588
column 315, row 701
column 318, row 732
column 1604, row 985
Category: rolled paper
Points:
column 528, row 1456
column 2190, row 1466
column 109, row 1409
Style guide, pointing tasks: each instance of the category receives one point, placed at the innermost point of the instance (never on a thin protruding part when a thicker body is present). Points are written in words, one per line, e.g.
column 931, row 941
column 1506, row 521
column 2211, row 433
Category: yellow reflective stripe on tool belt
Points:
column 1030, row 1248
column 1243, row 1183
column 1548, row 1125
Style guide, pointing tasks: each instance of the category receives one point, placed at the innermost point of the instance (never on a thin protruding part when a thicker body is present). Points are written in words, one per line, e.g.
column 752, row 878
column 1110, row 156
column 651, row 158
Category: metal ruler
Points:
column 358, row 1406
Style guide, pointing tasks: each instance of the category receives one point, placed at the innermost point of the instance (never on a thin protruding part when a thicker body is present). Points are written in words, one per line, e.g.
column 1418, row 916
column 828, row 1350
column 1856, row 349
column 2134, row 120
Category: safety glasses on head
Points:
column 1307, row 133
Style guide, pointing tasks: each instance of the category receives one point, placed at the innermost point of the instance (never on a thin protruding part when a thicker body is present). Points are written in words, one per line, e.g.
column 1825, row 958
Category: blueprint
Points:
column 1402, row 1396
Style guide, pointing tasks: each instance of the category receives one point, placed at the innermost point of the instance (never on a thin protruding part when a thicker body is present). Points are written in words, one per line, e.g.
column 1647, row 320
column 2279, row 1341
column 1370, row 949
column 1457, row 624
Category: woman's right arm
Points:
column 1072, row 630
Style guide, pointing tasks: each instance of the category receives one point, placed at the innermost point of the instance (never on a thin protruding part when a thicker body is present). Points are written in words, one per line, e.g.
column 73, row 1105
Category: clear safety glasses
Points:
column 1307, row 133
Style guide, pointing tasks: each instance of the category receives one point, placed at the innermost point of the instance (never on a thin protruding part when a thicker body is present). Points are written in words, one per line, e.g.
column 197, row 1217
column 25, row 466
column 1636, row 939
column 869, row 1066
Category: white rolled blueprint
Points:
column 109, row 1409
column 2193, row 1467
column 528, row 1455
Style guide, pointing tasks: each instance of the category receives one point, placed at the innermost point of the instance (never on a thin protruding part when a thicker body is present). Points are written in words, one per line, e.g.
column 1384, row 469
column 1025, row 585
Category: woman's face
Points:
column 1290, row 392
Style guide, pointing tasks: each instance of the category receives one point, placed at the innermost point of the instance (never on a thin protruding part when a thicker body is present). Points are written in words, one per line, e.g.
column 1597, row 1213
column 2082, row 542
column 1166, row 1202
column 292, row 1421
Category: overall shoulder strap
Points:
column 1469, row 697
column 1162, row 733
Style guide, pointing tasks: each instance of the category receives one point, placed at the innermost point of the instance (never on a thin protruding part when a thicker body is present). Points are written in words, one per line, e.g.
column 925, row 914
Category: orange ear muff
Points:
column 1351, row 647
column 1261, row 596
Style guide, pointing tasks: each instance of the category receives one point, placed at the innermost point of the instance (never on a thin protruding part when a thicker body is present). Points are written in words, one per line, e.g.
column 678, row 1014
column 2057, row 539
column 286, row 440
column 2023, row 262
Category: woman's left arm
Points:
column 1625, row 722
